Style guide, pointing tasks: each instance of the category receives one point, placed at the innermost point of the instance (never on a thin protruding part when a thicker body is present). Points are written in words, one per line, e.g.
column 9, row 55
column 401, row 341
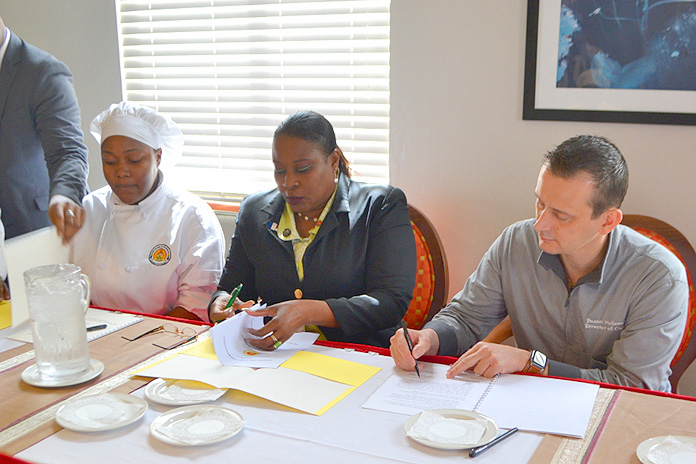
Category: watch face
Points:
column 539, row 359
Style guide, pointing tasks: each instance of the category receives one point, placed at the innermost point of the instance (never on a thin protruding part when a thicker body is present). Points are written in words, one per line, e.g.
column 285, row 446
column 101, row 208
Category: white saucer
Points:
column 460, row 414
column 96, row 413
column 197, row 425
column 644, row 447
column 31, row 376
column 181, row 392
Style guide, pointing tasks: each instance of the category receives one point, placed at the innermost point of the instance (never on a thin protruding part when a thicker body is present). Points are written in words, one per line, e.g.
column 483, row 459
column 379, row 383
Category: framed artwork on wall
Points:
column 611, row 61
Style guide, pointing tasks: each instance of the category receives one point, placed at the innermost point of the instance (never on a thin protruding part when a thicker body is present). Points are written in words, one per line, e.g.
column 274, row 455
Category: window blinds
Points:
column 229, row 71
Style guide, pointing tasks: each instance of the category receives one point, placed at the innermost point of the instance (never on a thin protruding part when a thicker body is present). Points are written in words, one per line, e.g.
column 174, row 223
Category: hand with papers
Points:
column 233, row 343
column 287, row 318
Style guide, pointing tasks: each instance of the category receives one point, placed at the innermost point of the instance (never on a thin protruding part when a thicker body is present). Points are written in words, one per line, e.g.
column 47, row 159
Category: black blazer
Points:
column 40, row 137
column 362, row 261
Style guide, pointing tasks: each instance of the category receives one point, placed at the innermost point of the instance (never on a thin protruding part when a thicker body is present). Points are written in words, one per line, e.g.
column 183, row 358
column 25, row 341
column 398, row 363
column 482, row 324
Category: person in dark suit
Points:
column 44, row 160
column 323, row 251
column 4, row 291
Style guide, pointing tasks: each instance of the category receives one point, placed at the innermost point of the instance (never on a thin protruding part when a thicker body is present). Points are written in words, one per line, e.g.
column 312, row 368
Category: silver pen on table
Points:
column 480, row 449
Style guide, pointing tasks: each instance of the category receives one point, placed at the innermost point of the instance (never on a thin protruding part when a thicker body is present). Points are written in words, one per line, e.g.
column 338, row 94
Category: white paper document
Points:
column 535, row 404
column 405, row 393
column 284, row 386
column 36, row 248
column 232, row 349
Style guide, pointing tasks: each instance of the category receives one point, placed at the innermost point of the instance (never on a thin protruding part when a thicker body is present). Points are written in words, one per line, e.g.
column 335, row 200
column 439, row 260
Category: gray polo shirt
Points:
column 621, row 324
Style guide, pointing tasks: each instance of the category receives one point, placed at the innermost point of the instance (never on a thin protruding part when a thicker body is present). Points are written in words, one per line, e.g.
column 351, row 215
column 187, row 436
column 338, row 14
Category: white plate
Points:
column 96, row 413
column 31, row 376
column 197, row 425
column 460, row 414
column 181, row 392
column 643, row 448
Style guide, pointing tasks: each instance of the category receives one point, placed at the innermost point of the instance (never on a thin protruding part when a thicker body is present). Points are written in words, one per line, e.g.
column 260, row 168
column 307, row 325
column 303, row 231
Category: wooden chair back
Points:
column 673, row 240
column 432, row 280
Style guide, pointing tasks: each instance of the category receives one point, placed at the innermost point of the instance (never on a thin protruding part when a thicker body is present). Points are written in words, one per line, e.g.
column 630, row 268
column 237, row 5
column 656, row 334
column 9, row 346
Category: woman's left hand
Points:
column 4, row 291
column 288, row 317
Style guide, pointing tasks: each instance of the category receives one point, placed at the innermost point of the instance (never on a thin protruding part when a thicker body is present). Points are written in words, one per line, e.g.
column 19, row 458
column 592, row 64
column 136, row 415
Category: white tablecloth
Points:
column 347, row 433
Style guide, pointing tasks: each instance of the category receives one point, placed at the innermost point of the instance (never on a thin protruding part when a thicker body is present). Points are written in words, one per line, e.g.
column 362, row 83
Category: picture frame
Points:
column 544, row 100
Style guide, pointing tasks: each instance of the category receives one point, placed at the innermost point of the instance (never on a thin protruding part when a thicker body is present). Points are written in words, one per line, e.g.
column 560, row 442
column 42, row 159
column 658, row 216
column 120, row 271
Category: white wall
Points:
column 459, row 146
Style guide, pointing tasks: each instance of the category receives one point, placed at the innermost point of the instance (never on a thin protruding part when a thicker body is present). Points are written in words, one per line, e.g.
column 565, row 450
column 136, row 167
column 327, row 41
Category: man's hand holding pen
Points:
column 425, row 342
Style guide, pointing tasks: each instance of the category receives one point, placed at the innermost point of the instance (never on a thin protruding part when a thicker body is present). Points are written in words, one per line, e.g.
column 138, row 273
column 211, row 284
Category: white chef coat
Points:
column 164, row 252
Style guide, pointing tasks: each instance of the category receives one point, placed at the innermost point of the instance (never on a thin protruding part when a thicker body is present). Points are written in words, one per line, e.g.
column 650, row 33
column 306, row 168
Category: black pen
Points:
column 480, row 449
column 96, row 327
column 409, row 342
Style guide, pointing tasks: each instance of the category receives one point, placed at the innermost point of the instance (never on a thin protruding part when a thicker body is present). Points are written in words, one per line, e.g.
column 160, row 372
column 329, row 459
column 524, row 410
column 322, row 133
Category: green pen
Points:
column 233, row 295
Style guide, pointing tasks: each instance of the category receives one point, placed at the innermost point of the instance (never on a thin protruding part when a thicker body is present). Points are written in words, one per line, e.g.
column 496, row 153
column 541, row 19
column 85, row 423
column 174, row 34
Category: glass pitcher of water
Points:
column 58, row 297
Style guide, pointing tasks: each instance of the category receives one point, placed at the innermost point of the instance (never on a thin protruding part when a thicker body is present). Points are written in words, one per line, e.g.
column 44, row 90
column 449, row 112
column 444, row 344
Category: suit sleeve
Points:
column 238, row 268
column 57, row 118
column 390, row 272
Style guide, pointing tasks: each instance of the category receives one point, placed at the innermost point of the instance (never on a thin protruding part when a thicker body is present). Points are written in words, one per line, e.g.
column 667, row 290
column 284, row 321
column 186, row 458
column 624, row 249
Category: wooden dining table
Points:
column 622, row 418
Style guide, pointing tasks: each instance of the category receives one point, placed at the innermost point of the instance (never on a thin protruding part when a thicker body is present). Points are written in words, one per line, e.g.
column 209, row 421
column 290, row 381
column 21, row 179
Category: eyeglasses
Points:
column 149, row 332
column 187, row 332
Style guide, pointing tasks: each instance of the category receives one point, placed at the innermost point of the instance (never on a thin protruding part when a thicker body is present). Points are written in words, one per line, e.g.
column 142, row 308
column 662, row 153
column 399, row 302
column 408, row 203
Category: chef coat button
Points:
column 102, row 265
column 298, row 293
column 286, row 233
column 143, row 215
column 128, row 269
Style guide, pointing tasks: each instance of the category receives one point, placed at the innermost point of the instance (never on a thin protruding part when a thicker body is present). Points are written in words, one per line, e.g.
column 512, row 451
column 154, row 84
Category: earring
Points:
column 336, row 178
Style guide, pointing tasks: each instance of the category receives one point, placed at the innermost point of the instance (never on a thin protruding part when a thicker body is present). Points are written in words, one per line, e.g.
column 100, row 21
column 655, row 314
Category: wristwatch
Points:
column 537, row 362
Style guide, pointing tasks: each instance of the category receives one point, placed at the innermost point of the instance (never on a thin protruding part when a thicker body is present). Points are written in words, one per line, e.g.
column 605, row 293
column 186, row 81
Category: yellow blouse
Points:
column 287, row 231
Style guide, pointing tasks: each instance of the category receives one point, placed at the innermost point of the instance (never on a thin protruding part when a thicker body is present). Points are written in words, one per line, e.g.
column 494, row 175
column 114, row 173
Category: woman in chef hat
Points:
column 146, row 245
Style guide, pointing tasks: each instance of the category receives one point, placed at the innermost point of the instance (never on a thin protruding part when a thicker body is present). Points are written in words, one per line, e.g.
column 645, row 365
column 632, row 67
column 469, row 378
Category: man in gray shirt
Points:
column 587, row 297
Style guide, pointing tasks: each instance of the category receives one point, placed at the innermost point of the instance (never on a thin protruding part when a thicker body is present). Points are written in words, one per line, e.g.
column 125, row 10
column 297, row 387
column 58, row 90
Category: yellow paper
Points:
column 205, row 342
column 320, row 365
column 202, row 349
column 5, row 314
column 328, row 367
column 334, row 402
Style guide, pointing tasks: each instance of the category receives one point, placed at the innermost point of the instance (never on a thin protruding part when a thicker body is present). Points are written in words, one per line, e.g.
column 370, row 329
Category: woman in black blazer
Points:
column 321, row 250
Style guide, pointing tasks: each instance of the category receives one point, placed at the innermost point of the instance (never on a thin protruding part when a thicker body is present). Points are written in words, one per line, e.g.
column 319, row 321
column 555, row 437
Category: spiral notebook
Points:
column 535, row 404
column 113, row 320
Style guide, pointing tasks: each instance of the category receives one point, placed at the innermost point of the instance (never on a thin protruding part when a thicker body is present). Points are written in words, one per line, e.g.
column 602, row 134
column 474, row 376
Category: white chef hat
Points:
column 142, row 124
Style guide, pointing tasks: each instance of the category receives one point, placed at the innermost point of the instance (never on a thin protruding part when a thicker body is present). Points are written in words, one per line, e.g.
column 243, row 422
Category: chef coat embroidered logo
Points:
column 160, row 255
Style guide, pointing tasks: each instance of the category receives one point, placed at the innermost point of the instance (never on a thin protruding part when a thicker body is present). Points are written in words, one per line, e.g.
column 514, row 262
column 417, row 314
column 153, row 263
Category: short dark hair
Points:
column 597, row 157
column 313, row 127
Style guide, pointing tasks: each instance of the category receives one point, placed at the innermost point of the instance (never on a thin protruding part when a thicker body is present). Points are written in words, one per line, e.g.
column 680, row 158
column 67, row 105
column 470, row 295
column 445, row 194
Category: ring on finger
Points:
column 276, row 342
column 70, row 213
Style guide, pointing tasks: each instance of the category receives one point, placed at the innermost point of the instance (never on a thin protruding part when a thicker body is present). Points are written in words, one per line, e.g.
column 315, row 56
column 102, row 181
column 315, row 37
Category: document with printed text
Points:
column 535, row 404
